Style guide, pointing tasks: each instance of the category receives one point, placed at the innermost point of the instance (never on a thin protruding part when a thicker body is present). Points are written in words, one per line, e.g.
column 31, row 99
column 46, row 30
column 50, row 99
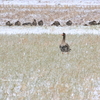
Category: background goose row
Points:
column 41, row 23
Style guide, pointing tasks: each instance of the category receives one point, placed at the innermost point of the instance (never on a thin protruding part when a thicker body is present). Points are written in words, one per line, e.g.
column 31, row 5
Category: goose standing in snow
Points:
column 64, row 47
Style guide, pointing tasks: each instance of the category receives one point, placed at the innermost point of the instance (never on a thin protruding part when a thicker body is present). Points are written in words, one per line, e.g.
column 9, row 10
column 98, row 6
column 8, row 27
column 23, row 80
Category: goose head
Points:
column 64, row 36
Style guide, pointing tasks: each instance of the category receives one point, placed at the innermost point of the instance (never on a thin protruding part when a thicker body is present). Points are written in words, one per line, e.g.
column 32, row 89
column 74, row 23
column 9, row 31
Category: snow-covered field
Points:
column 79, row 15
column 50, row 30
column 51, row 2
column 32, row 66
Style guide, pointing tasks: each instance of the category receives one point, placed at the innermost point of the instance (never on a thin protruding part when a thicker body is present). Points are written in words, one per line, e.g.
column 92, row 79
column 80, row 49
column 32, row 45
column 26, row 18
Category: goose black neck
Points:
column 64, row 37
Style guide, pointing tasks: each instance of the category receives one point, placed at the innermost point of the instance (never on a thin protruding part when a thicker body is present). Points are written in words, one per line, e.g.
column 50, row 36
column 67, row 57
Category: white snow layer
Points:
column 49, row 30
column 50, row 2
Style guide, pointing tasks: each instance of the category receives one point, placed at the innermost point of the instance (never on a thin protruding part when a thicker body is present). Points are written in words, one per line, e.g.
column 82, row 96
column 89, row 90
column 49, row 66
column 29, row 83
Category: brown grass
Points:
column 32, row 67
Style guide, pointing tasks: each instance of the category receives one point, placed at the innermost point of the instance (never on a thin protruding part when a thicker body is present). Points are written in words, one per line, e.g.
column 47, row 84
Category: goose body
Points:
column 64, row 47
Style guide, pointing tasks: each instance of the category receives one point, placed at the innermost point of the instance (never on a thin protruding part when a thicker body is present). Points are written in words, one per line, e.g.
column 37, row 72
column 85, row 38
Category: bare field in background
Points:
column 33, row 68
column 49, row 13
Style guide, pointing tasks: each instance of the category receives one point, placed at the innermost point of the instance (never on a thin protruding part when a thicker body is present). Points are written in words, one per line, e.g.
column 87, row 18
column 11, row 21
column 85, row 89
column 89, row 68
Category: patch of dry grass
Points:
column 33, row 68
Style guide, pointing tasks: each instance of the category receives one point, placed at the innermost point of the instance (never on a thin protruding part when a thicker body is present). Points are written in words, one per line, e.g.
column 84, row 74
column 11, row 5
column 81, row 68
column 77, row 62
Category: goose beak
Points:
column 63, row 34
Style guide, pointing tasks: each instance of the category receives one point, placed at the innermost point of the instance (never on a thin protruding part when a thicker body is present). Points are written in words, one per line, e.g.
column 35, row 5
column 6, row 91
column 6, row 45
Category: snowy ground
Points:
column 50, row 30
column 33, row 68
column 51, row 2
column 79, row 15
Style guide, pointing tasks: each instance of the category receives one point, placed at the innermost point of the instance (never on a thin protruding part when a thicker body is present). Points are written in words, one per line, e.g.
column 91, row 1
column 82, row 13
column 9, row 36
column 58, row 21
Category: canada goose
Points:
column 8, row 23
column 40, row 23
column 18, row 23
column 64, row 47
